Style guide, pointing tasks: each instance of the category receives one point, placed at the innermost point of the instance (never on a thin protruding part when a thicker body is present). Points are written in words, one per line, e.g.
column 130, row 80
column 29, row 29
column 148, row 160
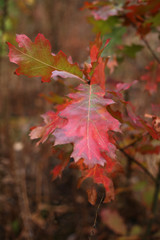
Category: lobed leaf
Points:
column 36, row 60
column 97, row 70
column 52, row 121
column 88, row 125
column 100, row 175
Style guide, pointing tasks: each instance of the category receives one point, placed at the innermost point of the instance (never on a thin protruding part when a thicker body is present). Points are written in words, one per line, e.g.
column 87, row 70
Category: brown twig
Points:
column 147, row 44
column 153, row 207
column 151, row 50
column 130, row 158
column 92, row 232
column 135, row 141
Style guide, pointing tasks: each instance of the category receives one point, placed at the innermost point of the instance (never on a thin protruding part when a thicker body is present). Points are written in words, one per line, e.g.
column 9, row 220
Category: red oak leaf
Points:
column 124, row 86
column 64, row 158
column 90, row 5
column 97, row 63
column 58, row 169
column 152, row 77
column 99, row 176
column 98, row 76
column 88, row 125
column 95, row 48
column 36, row 60
column 131, row 119
column 136, row 13
column 52, row 121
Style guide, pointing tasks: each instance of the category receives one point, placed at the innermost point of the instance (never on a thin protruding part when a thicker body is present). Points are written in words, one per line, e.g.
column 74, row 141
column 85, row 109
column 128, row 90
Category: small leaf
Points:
column 99, row 176
column 112, row 63
column 92, row 195
column 104, row 26
column 155, row 20
column 98, row 76
column 116, row 36
column 97, row 69
column 132, row 50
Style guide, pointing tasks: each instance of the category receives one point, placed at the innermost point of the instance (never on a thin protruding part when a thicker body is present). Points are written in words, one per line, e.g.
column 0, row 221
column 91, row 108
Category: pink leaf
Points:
column 52, row 121
column 88, row 125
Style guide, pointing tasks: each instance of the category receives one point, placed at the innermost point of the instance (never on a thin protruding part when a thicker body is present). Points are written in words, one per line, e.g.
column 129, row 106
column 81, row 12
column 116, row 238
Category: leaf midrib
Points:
column 46, row 64
column 88, row 120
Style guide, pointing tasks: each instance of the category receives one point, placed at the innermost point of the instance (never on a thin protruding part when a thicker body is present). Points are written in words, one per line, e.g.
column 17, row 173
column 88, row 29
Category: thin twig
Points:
column 151, row 50
column 135, row 141
column 147, row 45
column 130, row 158
column 153, row 207
column 92, row 233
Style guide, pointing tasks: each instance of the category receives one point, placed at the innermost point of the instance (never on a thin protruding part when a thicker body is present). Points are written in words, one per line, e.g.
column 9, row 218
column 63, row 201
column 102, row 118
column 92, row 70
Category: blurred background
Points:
column 32, row 206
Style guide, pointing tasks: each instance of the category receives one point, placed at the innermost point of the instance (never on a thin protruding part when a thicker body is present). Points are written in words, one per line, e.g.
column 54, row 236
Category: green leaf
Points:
column 104, row 26
column 154, row 20
column 35, row 59
column 116, row 39
column 131, row 51
column 15, row 226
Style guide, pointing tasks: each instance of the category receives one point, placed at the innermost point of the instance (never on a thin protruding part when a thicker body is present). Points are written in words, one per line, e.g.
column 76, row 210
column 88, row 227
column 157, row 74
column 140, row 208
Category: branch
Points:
column 92, row 232
column 151, row 50
column 130, row 158
column 153, row 207
column 147, row 44
column 135, row 141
